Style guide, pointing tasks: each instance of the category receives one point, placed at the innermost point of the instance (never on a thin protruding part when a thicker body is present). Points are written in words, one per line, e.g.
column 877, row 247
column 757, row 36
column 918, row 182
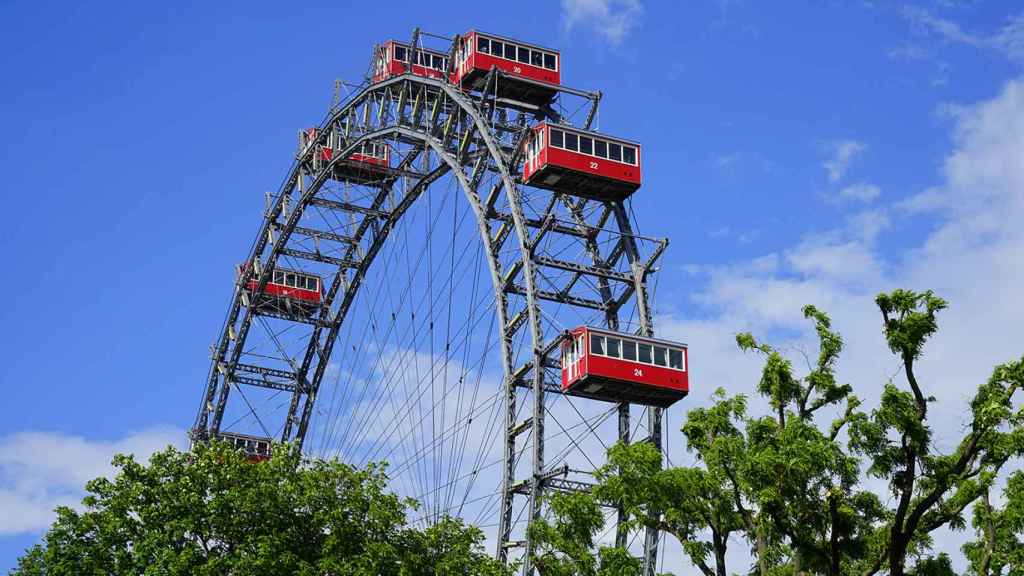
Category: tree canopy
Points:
column 211, row 512
column 794, row 483
column 797, row 485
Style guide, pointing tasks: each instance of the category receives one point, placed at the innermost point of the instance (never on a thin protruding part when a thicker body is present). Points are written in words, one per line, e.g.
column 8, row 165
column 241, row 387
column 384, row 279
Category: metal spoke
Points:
column 405, row 325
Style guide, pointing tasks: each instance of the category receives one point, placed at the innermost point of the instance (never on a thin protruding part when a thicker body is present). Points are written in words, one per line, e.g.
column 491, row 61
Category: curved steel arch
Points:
column 456, row 131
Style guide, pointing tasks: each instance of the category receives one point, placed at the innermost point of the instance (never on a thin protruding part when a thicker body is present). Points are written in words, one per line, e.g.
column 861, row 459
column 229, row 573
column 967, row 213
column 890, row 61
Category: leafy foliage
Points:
column 794, row 488
column 683, row 502
column 932, row 489
column 999, row 549
column 211, row 512
column 799, row 474
column 564, row 546
column 940, row 565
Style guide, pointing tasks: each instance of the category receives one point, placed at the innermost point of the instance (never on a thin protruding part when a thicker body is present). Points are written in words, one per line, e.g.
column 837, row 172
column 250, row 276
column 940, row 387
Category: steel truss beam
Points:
column 297, row 318
column 558, row 297
column 469, row 139
column 583, row 269
column 320, row 257
column 265, row 383
column 323, row 235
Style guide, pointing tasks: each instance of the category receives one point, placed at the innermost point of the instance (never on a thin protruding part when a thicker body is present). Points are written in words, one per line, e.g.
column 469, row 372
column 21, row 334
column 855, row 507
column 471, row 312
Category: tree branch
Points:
column 990, row 538
column 683, row 540
column 837, row 426
column 748, row 518
column 908, row 369
column 874, row 568
column 943, row 485
column 833, row 548
column 899, row 536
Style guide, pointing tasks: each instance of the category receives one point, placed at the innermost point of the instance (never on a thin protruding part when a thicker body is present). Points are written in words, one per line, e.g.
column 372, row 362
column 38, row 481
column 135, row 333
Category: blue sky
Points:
column 793, row 151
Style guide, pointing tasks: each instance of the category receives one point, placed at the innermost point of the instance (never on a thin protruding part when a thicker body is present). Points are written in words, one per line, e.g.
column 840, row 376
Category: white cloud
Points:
column 867, row 224
column 42, row 470
column 843, row 153
column 735, row 163
column 728, row 19
column 947, row 29
column 940, row 75
column 971, row 257
column 909, row 53
column 742, row 236
column 1008, row 41
column 861, row 192
column 726, row 161
column 612, row 19
column 914, row 53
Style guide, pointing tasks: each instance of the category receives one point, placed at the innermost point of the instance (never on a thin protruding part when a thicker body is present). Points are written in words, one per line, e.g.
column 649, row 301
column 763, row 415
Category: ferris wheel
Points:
column 450, row 280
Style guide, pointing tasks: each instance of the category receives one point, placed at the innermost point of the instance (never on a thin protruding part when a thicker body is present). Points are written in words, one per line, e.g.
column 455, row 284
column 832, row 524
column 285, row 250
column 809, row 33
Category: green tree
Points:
column 794, row 487
column 787, row 486
column 939, row 565
column 798, row 472
column 564, row 546
column 690, row 503
column 931, row 489
column 999, row 549
column 211, row 512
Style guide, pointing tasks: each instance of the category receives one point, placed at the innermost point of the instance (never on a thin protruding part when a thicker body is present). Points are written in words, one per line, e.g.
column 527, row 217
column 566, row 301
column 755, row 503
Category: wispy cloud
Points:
column 910, row 52
column 611, row 19
column 726, row 161
column 727, row 19
column 42, row 470
column 947, row 29
column 860, row 192
column 842, row 154
column 970, row 256
column 1008, row 41
column 733, row 164
column 744, row 236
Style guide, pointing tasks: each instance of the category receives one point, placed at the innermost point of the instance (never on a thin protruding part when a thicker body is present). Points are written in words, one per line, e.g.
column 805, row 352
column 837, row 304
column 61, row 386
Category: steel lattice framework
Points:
column 551, row 257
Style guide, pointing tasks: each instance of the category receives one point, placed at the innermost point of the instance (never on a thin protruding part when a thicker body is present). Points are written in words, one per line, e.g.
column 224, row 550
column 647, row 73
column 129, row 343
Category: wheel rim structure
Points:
column 555, row 261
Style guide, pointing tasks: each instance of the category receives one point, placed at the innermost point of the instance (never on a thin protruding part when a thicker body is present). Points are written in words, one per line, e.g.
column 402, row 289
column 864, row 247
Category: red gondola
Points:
column 371, row 162
column 255, row 448
column 392, row 59
column 538, row 68
column 287, row 291
column 581, row 163
column 619, row 367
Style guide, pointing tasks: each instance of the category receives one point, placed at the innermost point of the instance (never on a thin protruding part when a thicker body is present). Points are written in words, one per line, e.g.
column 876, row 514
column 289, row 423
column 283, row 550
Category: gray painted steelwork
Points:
column 468, row 136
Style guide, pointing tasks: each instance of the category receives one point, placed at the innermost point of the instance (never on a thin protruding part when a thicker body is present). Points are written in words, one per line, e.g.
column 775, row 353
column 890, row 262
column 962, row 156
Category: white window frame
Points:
column 623, row 341
column 682, row 358
column 519, row 47
column 593, row 147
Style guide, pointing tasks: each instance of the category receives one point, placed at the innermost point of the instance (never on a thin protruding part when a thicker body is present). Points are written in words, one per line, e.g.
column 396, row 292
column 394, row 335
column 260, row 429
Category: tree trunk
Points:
column 833, row 548
column 897, row 553
column 990, row 538
column 720, row 562
column 720, row 546
column 762, row 552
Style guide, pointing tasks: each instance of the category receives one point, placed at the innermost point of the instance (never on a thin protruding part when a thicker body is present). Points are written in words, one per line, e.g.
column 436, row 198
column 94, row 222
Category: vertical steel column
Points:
column 611, row 320
column 621, row 535
column 505, row 521
column 651, row 535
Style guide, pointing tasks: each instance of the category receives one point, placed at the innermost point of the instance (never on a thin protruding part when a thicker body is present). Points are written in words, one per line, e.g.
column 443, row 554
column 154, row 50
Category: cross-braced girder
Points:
column 555, row 261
